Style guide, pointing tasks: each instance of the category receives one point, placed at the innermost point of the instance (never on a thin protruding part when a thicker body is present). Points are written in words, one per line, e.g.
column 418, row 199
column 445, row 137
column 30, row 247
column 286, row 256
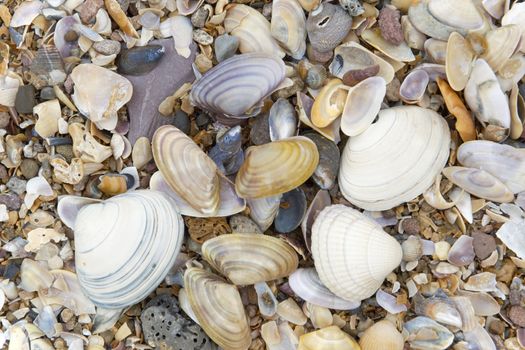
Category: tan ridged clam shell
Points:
column 479, row 183
column 501, row 43
column 460, row 14
column 218, row 307
column 458, row 62
column 288, row 26
column 252, row 30
column 329, row 104
column 377, row 172
column 329, row 338
column 383, row 335
column 276, row 167
column 250, row 258
column 352, row 253
column 186, row 168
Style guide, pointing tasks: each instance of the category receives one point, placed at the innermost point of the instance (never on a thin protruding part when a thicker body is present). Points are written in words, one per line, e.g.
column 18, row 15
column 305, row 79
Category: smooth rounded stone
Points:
column 516, row 314
column 329, row 157
column 140, row 59
column 11, row 201
column 202, row 120
column 462, row 251
column 4, row 119
column 260, row 132
column 165, row 327
column 47, row 93
column 29, row 168
column 497, row 327
column 199, row 17
column 225, row 46
column 484, row 244
column 182, row 122
column 242, row 224
column 107, row 47
column 25, row 99
column 16, row 185
column 201, row 37
column 410, row 226
column 66, row 151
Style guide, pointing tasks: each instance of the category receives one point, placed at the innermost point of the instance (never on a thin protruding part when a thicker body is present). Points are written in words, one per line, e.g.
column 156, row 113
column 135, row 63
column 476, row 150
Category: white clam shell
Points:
column 501, row 43
column 377, row 172
column 458, row 61
column 137, row 235
column 512, row 234
column 69, row 206
column 288, row 26
column 502, row 161
column 264, row 210
column 180, row 28
column 400, row 52
column 515, row 16
column 352, row 253
column 459, row 14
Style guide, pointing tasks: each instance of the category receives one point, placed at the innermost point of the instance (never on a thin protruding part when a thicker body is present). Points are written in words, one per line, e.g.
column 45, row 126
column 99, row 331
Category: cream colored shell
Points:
column 329, row 338
column 352, row 253
column 288, row 26
column 383, row 335
column 396, row 159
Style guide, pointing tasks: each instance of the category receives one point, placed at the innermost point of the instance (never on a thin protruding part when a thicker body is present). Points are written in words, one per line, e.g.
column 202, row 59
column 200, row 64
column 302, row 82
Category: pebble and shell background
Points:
column 281, row 175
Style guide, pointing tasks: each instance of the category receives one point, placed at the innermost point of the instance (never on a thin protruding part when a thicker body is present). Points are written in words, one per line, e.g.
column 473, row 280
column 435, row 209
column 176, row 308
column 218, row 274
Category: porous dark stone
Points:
column 411, row 226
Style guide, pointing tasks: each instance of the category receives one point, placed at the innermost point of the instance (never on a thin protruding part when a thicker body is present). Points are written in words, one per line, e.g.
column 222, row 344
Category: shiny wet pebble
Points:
column 198, row 19
column 140, row 60
column 182, row 122
column 201, row 37
column 225, row 46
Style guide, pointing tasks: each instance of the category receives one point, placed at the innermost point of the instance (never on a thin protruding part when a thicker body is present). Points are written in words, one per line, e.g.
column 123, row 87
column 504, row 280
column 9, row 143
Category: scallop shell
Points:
column 502, row 161
column 236, row 86
column 327, row 26
column 328, row 104
column 399, row 52
column 382, row 335
column 138, row 235
column 352, row 253
column 187, row 169
column 329, row 338
column 362, row 105
column 250, row 258
column 218, row 307
column 501, row 43
column 288, row 26
column 252, row 30
column 479, row 183
column 377, row 173
column 276, row 167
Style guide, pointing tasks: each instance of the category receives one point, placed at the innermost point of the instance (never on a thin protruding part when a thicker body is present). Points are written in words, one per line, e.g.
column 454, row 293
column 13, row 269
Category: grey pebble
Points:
column 16, row 185
column 107, row 47
column 25, row 99
column 4, row 119
column 11, row 201
column 29, row 168
column 353, row 7
column 182, row 122
column 225, row 46
column 66, row 151
column 201, row 37
column 47, row 93
column 198, row 19
column 243, row 224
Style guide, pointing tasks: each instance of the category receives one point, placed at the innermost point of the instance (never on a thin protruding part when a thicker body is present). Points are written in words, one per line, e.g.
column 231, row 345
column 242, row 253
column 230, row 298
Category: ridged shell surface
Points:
column 329, row 338
column 250, row 258
column 327, row 26
column 288, row 26
column 396, row 159
column 125, row 246
column 238, row 84
column 383, row 335
column 218, row 307
column 276, row 167
column 352, row 253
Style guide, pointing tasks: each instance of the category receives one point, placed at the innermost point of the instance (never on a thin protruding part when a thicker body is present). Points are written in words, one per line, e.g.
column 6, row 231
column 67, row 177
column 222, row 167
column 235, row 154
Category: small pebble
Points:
column 390, row 25
column 89, row 9
column 16, row 185
column 71, row 36
column 47, row 93
column 66, row 151
column 182, row 122
column 201, row 37
column 29, row 168
column 11, row 201
column 353, row 7
column 199, row 17
column 392, row 90
column 107, row 47
column 225, row 46
column 243, row 224
column 25, row 99
column 411, row 226
column 516, row 314
column 202, row 120
column 4, row 119
column 497, row 327
column 484, row 245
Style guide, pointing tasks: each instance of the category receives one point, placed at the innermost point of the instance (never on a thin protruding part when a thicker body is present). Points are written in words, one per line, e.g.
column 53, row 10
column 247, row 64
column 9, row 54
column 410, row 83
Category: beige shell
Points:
column 264, row 210
column 399, row 52
column 479, row 183
column 187, row 169
column 304, row 110
column 458, row 62
column 383, row 335
column 218, row 307
column 276, row 167
column 501, row 43
column 329, row 338
column 252, row 30
column 329, row 103
column 515, row 16
column 377, row 172
column 288, row 26
column 517, row 113
column 250, row 258
column 352, row 253
column 48, row 113
column 309, row 5
column 459, row 14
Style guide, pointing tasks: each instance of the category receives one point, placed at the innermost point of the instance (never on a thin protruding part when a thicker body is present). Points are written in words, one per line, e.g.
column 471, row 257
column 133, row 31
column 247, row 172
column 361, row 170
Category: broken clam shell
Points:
column 426, row 334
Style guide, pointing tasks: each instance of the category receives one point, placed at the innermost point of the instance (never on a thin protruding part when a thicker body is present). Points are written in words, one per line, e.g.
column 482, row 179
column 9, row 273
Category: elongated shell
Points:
column 137, row 236
column 458, row 61
column 329, row 338
column 378, row 173
column 235, row 86
column 218, row 307
column 186, row 168
column 252, row 30
column 383, row 335
column 276, row 167
column 352, row 253
column 479, row 183
column 250, row 258
column 288, row 26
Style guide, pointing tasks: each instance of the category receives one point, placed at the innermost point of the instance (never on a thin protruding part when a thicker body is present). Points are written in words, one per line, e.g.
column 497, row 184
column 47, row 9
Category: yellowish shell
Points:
column 382, row 336
column 329, row 104
column 276, row 167
column 329, row 338
column 458, row 62
column 501, row 43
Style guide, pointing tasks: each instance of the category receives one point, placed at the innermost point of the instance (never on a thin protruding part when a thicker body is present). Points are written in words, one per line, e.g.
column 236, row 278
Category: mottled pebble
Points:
column 484, row 244
column 199, row 17
column 259, row 133
column 497, row 327
column 243, row 224
column 89, row 9
column 11, row 201
column 201, row 37
column 392, row 90
column 4, row 119
column 25, row 99
column 202, row 120
column 516, row 314
column 29, row 168
column 107, row 47
column 182, row 121
column 66, row 151
column 225, row 46
column 4, row 176
column 390, row 25
column 16, row 185
column 47, row 93
column 411, row 226
column 353, row 7
column 317, row 56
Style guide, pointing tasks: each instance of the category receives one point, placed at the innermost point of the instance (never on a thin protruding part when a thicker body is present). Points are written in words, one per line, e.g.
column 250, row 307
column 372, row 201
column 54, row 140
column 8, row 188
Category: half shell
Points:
column 288, row 26
column 383, row 335
column 501, row 43
column 329, row 338
column 328, row 104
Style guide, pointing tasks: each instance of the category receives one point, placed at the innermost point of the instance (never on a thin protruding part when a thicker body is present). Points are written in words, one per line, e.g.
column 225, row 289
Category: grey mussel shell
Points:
column 327, row 26
column 140, row 60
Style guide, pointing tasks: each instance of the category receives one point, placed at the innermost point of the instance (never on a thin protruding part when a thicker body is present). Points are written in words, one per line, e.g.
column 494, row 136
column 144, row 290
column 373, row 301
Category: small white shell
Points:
column 181, row 29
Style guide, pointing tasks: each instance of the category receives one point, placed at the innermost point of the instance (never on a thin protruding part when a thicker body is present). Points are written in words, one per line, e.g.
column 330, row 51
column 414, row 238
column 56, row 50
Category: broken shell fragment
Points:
column 327, row 26
column 382, row 335
column 263, row 210
column 512, row 234
column 119, row 16
column 180, row 28
column 438, row 308
column 249, row 259
column 282, row 121
column 400, row 52
column 329, row 104
column 187, row 7
column 426, row 334
column 327, row 339
column 288, row 26
column 462, row 251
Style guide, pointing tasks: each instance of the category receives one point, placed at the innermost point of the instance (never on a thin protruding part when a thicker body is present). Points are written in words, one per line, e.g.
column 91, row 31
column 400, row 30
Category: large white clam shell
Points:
column 502, row 161
column 235, row 86
column 352, row 253
column 100, row 93
column 396, row 159
column 125, row 246
column 288, row 26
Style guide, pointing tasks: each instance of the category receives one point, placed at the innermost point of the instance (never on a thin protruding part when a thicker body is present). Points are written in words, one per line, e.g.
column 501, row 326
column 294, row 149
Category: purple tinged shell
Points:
column 462, row 252
column 414, row 86
column 65, row 25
